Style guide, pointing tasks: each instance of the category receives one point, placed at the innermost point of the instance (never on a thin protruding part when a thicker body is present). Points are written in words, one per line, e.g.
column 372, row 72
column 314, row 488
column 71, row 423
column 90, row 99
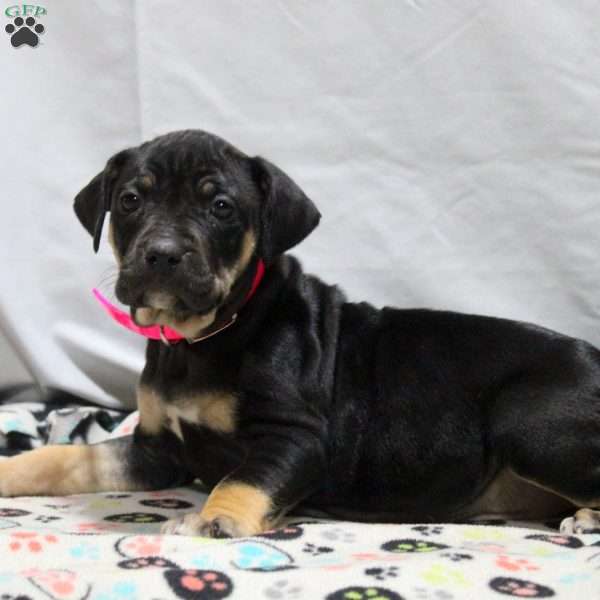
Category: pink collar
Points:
column 166, row 334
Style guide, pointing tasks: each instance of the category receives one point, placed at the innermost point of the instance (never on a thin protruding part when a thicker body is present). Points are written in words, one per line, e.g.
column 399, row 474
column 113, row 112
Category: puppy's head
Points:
column 189, row 215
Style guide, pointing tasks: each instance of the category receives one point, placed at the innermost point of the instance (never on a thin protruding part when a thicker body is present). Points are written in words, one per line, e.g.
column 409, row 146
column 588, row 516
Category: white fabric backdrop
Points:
column 453, row 148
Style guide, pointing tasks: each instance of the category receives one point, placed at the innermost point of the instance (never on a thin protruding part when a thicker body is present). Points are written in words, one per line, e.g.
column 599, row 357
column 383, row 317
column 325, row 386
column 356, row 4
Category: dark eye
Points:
column 130, row 203
column 222, row 207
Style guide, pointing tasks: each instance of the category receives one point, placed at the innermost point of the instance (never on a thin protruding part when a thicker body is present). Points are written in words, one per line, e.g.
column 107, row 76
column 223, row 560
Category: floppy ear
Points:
column 93, row 201
column 288, row 215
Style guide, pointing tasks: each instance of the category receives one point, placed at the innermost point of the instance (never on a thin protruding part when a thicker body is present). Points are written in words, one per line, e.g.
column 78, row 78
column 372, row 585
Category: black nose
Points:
column 164, row 255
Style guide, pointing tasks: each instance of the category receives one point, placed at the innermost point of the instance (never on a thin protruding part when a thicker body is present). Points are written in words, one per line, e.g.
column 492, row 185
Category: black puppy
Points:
column 306, row 399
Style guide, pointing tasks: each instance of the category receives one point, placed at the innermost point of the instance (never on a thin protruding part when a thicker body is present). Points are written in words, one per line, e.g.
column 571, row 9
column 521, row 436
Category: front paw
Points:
column 220, row 526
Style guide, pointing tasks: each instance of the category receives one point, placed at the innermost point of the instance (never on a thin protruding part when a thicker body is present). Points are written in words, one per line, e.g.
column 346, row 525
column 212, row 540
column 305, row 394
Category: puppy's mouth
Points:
column 165, row 308
column 185, row 301
column 151, row 306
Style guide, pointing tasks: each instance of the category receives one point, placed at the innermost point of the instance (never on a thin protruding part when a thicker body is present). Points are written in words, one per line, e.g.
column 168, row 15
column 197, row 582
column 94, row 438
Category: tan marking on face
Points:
column 152, row 410
column 215, row 410
column 63, row 470
column 112, row 243
column 208, row 188
column 248, row 248
column 160, row 300
column 228, row 276
column 146, row 316
column 146, row 182
column 189, row 328
column 248, row 506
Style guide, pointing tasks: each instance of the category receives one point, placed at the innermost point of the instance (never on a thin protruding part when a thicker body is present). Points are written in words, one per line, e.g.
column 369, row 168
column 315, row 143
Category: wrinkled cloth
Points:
column 106, row 547
column 28, row 425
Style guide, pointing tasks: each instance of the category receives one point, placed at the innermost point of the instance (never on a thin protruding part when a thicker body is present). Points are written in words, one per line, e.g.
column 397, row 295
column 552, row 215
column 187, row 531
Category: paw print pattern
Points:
column 381, row 573
column 147, row 561
column 136, row 517
column 337, row 534
column 27, row 541
column 13, row 512
column 194, row 584
column 47, row 518
column 85, row 551
column 63, row 507
column 24, row 32
column 566, row 541
column 457, row 556
column 520, row 588
column 511, row 564
column 316, row 550
column 427, row 530
column 58, row 583
column 282, row 589
column 261, row 557
column 356, row 592
column 412, row 545
column 139, row 546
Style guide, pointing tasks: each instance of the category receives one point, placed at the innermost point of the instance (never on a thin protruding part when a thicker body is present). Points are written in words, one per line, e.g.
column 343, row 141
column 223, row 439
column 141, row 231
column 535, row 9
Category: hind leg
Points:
column 550, row 436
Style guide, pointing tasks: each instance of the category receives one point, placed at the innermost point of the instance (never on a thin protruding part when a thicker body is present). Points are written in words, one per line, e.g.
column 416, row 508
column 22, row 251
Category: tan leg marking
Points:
column 215, row 410
column 246, row 505
column 232, row 510
column 152, row 410
column 62, row 470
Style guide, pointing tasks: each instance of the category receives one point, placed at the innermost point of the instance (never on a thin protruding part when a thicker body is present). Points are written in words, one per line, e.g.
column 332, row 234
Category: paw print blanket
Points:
column 106, row 546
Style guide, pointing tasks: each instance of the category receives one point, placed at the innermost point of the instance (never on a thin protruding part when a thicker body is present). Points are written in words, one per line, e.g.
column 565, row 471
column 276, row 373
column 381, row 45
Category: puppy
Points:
column 282, row 395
